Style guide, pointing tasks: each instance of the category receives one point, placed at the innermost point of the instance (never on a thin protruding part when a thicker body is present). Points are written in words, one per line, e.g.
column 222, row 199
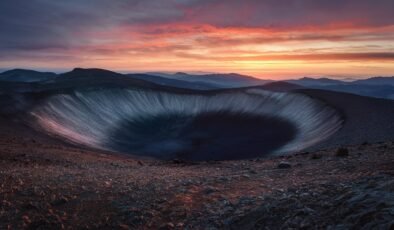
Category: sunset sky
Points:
column 273, row 39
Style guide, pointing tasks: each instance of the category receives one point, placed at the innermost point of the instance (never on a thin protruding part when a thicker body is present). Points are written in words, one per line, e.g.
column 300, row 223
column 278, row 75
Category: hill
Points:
column 173, row 82
column 23, row 75
column 306, row 81
column 231, row 80
column 376, row 81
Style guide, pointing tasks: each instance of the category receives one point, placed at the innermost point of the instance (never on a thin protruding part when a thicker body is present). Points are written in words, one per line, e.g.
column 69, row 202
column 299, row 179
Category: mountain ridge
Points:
column 26, row 75
column 380, row 87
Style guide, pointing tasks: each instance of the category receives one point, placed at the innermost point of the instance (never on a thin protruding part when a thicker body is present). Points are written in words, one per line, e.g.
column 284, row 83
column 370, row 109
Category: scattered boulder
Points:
column 209, row 190
column 177, row 161
column 62, row 200
column 245, row 175
column 31, row 206
column 124, row 226
column 167, row 226
column 316, row 156
column 284, row 165
column 342, row 152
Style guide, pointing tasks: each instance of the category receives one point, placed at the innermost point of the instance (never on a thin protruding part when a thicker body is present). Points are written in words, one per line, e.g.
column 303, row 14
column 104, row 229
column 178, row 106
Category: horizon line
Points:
column 194, row 72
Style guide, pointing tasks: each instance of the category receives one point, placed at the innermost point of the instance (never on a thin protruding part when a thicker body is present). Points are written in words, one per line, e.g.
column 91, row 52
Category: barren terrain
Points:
column 52, row 185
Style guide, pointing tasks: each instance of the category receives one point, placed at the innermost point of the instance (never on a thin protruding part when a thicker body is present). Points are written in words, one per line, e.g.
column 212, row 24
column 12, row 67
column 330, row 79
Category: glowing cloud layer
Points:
column 264, row 38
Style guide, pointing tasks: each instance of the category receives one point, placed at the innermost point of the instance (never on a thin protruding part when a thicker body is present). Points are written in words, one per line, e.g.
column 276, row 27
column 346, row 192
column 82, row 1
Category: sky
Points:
column 272, row 39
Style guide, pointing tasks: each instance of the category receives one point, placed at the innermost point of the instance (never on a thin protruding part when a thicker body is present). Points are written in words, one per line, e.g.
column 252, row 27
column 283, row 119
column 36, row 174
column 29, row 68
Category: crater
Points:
column 224, row 125
column 209, row 136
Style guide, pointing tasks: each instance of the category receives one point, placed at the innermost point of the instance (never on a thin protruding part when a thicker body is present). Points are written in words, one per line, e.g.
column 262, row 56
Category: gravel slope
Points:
column 44, row 185
column 365, row 119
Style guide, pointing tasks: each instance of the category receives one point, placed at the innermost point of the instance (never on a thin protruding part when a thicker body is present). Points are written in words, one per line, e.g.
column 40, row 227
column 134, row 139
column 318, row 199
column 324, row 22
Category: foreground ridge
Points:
column 62, row 186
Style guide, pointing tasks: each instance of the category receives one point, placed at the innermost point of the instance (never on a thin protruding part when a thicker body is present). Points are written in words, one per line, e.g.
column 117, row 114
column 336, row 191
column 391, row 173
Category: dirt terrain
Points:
column 49, row 185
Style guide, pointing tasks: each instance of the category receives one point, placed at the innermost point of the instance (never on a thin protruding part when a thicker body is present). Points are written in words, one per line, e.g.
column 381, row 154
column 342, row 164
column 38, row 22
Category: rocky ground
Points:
column 52, row 186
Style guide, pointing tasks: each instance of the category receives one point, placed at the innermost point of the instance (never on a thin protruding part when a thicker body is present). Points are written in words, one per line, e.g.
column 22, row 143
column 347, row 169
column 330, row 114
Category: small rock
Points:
column 167, row 226
column 209, row 190
column 246, row 176
column 124, row 226
column 316, row 156
column 26, row 219
column 30, row 206
column 39, row 224
column 284, row 165
column 20, row 182
column 342, row 152
column 223, row 178
column 60, row 201
column 177, row 161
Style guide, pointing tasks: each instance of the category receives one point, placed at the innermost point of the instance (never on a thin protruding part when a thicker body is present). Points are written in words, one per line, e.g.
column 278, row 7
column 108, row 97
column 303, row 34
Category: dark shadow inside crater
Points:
column 209, row 136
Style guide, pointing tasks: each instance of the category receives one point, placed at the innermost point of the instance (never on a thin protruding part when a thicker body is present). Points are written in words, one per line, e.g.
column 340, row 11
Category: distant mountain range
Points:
column 22, row 75
column 306, row 81
column 206, row 81
column 381, row 87
column 376, row 81
column 174, row 82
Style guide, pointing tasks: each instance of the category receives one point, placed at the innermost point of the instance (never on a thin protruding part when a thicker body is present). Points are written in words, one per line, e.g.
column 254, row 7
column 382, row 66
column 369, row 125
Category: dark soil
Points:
column 49, row 185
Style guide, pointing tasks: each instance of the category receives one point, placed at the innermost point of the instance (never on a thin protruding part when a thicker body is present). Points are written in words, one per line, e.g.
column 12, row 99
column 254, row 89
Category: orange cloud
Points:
column 265, row 38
